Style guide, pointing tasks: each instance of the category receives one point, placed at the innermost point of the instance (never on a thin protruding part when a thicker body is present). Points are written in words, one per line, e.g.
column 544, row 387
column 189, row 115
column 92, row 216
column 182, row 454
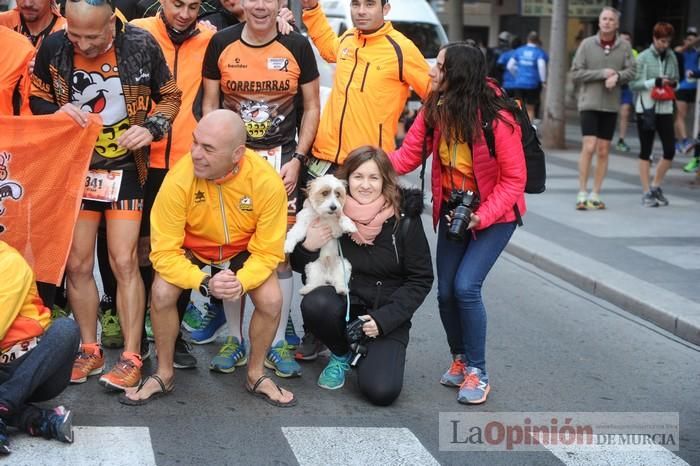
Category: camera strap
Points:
column 346, row 279
column 453, row 168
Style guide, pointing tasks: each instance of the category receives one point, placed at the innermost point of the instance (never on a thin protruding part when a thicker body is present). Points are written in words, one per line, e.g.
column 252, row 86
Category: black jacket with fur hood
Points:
column 396, row 272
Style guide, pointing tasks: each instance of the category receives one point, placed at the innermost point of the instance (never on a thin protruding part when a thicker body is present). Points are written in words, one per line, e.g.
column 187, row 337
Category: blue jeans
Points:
column 461, row 270
column 42, row 373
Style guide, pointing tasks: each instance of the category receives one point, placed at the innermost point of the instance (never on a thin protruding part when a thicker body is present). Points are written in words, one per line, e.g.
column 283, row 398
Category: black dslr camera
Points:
column 461, row 203
column 357, row 340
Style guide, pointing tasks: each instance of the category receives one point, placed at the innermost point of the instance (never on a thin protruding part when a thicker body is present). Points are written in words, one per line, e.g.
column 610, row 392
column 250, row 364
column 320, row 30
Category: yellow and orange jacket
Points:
column 216, row 220
column 15, row 54
column 22, row 313
column 185, row 62
column 373, row 76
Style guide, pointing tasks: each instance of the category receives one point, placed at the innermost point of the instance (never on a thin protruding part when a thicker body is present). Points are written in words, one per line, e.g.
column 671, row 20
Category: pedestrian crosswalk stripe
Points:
column 329, row 446
column 113, row 446
column 648, row 455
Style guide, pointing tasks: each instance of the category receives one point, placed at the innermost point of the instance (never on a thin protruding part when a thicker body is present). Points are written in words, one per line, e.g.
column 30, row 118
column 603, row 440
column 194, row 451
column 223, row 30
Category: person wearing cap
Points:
column 687, row 55
column 493, row 56
column 529, row 66
column 508, row 82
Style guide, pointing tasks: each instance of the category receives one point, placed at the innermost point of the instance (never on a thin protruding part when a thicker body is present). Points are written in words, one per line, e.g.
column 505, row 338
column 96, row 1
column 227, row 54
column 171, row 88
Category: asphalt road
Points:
column 551, row 348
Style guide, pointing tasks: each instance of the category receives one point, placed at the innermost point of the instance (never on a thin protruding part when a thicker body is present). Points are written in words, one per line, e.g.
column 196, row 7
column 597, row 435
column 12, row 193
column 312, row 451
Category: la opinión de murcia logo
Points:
column 9, row 189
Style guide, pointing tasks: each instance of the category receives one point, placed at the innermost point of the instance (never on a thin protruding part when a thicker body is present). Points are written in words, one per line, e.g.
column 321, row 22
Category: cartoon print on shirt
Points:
column 261, row 119
column 95, row 94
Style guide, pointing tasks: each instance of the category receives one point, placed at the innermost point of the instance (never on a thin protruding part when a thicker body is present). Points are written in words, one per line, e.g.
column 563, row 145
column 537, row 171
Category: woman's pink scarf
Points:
column 368, row 218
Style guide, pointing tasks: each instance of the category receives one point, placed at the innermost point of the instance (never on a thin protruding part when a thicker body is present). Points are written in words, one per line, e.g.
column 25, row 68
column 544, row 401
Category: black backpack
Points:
column 532, row 148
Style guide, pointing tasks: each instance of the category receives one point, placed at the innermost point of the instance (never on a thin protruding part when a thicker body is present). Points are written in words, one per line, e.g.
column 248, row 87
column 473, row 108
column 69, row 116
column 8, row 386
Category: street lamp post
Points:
column 554, row 123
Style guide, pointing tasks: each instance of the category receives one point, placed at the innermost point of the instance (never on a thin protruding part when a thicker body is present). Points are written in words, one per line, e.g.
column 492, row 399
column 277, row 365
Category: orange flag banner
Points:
column 43, row 163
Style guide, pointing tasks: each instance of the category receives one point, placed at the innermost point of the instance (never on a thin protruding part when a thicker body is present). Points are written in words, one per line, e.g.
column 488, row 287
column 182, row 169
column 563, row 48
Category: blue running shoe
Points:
column 192, row 320
column 281, row 360
column 291, row 335
column 56, row 423
column 333, row 376
column 475, row 387
column 213, row 323
column 454, row 377
column 231, row 355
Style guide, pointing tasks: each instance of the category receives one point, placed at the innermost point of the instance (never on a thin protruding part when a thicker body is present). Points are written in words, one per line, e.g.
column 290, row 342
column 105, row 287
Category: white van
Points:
column 413, row 18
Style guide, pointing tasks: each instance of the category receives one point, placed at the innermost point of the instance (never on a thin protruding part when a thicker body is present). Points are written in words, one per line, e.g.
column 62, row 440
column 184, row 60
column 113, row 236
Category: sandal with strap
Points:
column 123, row 399
column 254, row 391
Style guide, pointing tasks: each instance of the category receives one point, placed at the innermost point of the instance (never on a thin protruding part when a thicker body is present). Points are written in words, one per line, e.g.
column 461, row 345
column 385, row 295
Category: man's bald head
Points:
column 90, row 26
column 218, row 144
column 226, row 125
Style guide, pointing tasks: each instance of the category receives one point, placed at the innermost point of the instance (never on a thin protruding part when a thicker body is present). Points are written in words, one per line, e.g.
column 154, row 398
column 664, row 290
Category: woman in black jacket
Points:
column 392, row 273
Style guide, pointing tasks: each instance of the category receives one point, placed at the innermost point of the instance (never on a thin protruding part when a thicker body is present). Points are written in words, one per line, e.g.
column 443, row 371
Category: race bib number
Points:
column 18, row 350
column 273, row 157
column 318, row 167
column 102, row 185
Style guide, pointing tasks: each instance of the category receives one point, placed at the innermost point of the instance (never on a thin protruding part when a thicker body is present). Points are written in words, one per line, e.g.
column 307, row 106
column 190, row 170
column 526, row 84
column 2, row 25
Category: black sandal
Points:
column 123, row 399
column 254, row 391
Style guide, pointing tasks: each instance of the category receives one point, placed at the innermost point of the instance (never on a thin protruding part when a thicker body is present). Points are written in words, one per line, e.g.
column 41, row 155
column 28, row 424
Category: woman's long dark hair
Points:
column 464, row 98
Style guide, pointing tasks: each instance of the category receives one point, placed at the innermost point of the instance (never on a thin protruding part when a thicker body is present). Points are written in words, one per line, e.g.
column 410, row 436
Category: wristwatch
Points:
column 303, row 158
column 204, row 286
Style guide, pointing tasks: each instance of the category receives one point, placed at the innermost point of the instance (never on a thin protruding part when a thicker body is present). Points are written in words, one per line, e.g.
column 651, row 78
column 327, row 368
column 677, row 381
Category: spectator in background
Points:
column 508, row 82
column 493, row 56
column 657, row 70
column 685, row 95
column 692, row 75
column 602, row 64
column 529, row 66
column 626, row 101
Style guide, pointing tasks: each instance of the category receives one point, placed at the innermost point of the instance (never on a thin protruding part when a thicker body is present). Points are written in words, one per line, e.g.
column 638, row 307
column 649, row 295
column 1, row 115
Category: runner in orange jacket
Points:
column 15, row 55
column 376, row 67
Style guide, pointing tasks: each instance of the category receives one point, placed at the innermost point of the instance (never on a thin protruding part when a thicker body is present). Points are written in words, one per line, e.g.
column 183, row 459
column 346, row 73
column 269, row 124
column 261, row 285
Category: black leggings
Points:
column 380, row 372
column 664, row 126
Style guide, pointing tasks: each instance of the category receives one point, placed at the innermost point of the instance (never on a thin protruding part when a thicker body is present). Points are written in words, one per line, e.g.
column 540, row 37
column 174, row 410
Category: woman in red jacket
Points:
column 475, row 199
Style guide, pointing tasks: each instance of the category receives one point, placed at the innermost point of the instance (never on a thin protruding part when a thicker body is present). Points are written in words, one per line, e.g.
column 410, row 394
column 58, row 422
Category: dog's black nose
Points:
column 333, row 207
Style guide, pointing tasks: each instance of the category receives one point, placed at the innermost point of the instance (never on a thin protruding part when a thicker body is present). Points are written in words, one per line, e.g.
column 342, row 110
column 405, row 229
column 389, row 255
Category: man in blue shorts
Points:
column 626, row 100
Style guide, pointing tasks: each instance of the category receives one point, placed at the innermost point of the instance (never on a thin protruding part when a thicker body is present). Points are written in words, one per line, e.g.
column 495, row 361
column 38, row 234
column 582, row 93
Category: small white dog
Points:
column 326, row 197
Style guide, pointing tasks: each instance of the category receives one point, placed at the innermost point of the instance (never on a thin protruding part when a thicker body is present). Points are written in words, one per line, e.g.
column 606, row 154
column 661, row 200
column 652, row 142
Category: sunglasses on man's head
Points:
column 96, row 2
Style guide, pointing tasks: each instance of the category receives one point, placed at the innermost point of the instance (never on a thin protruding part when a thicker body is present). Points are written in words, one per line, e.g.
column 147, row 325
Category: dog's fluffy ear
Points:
column 344, row 183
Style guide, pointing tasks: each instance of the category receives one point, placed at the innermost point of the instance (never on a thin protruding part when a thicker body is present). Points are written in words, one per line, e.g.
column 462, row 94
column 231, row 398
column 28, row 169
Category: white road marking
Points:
column 113, row 446
column 647, row 455
column 328, row 446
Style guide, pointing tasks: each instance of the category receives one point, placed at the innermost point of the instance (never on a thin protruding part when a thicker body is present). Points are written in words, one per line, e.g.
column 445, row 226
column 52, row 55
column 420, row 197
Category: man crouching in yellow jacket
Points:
column 36, row 357
column 224, row 206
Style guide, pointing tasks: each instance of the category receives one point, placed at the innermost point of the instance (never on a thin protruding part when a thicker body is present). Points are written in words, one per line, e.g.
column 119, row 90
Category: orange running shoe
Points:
column 87, row 364
column 454, row 377
column 124, row 374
